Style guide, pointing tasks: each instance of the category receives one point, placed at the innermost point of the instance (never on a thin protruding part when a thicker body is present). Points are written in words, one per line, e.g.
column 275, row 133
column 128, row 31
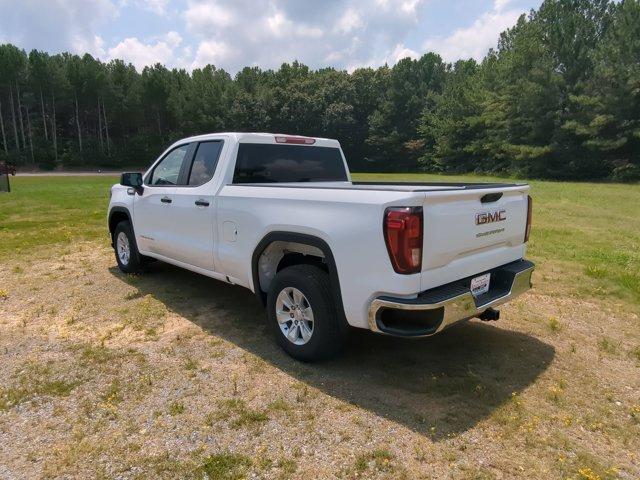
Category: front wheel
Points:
column 124, row 244
column 303, row 315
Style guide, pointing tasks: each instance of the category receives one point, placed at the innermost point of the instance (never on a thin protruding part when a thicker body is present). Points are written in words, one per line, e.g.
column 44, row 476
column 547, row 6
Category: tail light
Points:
column 529, row 212
column 295, row 140
column 403, row 235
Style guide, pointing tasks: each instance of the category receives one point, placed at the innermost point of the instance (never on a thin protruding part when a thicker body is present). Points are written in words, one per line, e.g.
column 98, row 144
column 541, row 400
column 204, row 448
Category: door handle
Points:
column 202, row 203
column 166, row 200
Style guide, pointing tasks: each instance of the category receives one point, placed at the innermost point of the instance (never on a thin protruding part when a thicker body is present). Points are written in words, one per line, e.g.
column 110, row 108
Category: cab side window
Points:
column 167, row 172
column 204, row 162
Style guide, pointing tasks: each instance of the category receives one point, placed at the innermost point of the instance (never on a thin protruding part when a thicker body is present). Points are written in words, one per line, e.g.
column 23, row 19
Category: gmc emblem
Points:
column 490, row 217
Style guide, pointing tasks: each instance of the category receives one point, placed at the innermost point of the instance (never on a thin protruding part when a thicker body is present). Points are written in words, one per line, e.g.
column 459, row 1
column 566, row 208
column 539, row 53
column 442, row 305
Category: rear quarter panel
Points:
column 349, row 221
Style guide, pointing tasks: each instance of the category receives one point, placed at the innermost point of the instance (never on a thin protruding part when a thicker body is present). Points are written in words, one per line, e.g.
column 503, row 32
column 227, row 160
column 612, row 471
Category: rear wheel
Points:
column 302, row 313
column 124, row 243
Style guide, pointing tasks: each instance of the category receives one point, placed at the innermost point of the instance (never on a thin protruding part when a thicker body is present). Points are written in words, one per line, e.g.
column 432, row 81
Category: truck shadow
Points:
column 438, row 386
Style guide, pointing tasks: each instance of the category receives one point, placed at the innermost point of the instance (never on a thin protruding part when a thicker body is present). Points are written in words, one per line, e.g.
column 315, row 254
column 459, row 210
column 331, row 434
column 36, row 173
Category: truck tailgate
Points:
column 469, row 231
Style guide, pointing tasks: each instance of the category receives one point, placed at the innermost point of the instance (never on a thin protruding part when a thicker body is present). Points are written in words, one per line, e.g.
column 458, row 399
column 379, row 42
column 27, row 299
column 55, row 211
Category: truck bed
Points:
column 388, row 186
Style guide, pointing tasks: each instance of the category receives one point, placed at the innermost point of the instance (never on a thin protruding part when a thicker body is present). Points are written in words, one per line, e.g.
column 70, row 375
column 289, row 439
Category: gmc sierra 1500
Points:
column 279, row 215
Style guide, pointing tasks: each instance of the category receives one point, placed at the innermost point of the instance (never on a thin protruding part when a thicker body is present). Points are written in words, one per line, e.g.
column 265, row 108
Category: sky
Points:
column 231, row 34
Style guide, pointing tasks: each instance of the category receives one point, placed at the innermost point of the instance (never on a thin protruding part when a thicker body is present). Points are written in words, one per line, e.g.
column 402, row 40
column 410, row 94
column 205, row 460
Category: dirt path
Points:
column 172, row 374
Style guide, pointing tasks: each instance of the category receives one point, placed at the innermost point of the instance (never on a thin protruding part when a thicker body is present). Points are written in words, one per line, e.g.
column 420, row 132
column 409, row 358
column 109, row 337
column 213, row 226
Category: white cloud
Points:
column 474, row 41
column 405, row 7
column 499, row 5
column 277, row 24
column 173, row 39
column 341, row 33
column 141, row 54
column 234, row 33
column 56, row 25
column 409, row 6
column 391, row 57
column 158, row 7
column 280, row 26
column 93, row 46
column 211, row 52
column 205, row 18
column 351, row 20
column 401, row 52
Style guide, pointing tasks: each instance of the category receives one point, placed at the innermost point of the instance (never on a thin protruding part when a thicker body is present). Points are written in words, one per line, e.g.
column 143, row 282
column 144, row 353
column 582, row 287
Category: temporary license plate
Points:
column 480, row 285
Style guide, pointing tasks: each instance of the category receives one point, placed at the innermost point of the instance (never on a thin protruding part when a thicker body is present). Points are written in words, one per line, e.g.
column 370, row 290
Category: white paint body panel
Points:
column 152, row 220
column 219, row 240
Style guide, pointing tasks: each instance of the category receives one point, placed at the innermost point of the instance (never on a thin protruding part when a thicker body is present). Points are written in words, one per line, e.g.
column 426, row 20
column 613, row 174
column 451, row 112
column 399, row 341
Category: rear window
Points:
column 204, row 162
column 262, row 163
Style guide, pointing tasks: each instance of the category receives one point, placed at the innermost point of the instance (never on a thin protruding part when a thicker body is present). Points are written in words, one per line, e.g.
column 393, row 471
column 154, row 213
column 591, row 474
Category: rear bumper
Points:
column 434, row 310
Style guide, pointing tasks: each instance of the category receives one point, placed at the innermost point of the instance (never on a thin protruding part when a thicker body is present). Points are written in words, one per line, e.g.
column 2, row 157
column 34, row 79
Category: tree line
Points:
column 558, row 98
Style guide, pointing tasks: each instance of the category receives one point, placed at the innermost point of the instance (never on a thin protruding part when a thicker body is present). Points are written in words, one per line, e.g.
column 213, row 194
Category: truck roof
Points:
column 260, row 137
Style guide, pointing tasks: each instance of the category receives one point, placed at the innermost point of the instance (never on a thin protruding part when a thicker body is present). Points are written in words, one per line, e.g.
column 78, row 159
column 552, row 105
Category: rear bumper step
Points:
column 434, row 310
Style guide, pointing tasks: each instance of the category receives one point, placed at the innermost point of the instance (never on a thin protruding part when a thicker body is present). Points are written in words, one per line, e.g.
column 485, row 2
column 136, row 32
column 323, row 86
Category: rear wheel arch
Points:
column 299, row 258
column 315, row 245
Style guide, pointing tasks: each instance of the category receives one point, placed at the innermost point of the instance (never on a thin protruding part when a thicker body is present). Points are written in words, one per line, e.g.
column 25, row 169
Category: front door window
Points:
column 167, row 172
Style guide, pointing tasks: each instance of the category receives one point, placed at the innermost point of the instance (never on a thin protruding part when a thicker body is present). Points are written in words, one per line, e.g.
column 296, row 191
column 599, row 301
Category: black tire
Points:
column 135, row 260
column 328, row 334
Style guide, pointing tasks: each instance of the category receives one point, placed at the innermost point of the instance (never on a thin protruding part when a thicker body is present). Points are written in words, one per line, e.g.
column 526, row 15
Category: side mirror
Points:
column 132, row 179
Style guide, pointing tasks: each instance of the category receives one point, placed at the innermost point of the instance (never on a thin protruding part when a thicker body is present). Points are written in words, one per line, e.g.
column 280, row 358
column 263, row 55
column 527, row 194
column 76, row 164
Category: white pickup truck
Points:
column 279, row 215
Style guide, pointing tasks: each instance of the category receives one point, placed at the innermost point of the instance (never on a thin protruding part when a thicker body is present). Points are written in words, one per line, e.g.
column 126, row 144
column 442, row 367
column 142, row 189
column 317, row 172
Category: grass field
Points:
column 172, row 374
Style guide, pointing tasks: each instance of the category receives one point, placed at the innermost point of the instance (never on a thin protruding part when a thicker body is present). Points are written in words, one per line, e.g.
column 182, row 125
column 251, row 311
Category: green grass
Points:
column 240, row 415
column 34, row 381
column 554, row 324
column 44, row 211
column 378, row 460
column 175, row 408
column 588, row 232
column 224, row 466
column 527, row 386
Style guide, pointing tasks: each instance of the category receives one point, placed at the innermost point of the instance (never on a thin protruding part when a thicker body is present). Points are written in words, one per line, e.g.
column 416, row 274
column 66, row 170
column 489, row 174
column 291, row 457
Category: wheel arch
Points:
column 116, row 215
column 303, row 239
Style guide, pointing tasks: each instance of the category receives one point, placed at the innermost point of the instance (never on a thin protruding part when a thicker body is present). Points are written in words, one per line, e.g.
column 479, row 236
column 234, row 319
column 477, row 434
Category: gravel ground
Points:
column 174, row 375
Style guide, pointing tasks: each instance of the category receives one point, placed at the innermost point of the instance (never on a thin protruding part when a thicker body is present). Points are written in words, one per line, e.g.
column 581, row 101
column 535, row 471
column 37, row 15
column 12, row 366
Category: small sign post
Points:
column 5, row 186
